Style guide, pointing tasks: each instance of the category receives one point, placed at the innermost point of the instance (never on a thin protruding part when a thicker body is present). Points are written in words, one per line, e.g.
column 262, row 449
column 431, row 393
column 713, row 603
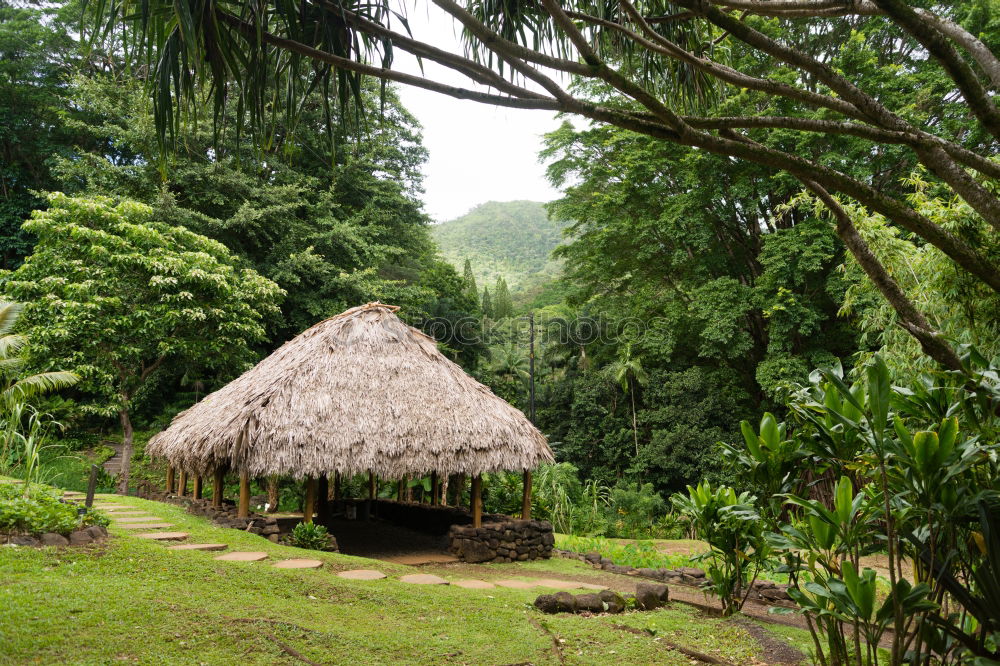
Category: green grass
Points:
column 133, row 601
column 639, row 554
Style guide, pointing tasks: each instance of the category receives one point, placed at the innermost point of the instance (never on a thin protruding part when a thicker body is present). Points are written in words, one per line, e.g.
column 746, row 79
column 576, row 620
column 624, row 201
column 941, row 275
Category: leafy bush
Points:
column 37, row 509
column 732, row 527
column 633, row 511
column 310, row 536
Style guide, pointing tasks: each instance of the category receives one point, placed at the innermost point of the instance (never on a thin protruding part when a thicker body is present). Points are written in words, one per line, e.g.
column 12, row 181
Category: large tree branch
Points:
column 469, row 68
column 252, row 33
column 938, row 161
column 981, row 53
column 910, row 318
column 958, row 69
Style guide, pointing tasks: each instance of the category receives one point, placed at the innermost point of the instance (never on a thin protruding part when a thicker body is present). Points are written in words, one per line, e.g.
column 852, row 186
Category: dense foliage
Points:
column 115, row 296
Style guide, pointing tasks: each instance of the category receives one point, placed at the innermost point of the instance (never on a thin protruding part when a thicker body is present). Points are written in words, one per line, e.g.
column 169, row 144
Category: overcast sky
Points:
column 478, row 153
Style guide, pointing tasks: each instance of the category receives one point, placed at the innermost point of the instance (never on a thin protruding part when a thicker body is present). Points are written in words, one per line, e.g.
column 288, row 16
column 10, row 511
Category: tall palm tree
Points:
column 509, row 362
column 628, row 372
column 14, row 388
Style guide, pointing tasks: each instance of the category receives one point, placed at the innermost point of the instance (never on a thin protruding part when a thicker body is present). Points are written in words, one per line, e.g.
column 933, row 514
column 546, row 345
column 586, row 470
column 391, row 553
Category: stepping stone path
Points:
column 145, row 526
column 118, row 512
column 515, row 584
column 107, row 507
column 298, row 564
column 242, row 556
column 558, row 584
column 134, row 519
column 199, row 546
column 423, row 579
column 473, row 584
column 361, row 574
column 164, row 536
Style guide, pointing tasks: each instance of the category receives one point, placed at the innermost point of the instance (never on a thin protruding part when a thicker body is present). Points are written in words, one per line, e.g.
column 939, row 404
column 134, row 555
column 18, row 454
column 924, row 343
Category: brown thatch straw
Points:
column 359, row 392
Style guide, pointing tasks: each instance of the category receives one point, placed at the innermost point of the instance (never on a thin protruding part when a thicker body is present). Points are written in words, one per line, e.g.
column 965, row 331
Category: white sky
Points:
column 478, row 152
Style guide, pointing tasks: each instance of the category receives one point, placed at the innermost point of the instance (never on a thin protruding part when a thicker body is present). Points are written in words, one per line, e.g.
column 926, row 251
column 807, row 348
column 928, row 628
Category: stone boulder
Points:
column 80, row 538
column 53, row 539
column 650, row 596
column 589, row 603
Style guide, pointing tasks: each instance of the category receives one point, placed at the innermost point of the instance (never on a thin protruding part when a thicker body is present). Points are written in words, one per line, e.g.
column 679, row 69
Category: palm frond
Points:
column 9, row 312
column 34, row 385
column 11, row 345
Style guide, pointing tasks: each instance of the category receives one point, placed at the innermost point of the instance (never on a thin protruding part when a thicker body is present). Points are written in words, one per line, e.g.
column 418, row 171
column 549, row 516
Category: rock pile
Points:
column 648, row 596
column 761, row 590
column 505, row 541
column 80, row 537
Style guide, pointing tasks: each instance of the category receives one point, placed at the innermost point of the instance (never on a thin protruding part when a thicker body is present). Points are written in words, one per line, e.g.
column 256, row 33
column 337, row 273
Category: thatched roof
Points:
column 359, row 392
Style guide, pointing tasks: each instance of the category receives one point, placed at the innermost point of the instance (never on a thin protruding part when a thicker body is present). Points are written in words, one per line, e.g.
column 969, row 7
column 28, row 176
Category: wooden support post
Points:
column 372, row 485
column 435, row 489
column 322, row 498
column 459, row 489
column 310, row 504
column 477, row 501
column 196, row 493
column 244, row 506
column 170, row 478
column 91, row 486
column 182, row 484
column 526, row 496
column 219, row 479
column 400, row 487
column 336, row 486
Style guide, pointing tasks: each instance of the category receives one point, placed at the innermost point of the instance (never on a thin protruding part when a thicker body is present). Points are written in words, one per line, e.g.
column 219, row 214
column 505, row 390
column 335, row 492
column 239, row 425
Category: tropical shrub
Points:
column 310, row 536
column 731, row 526
column 34, row 509
column 911, row 472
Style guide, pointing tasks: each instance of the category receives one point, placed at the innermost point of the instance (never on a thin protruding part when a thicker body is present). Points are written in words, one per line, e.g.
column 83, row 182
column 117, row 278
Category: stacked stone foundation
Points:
column 502, row 541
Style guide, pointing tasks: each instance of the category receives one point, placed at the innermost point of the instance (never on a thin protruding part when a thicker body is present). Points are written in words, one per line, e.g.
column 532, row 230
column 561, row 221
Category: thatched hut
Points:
column 360, row 392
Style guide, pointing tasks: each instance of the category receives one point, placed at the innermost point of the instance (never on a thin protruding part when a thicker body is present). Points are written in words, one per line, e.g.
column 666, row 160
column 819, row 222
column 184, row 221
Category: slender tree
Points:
column 488, row 310
column 628, row 371
column 469, row 278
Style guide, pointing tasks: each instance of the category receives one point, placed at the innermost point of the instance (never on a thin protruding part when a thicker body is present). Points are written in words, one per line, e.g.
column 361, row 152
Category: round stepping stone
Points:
column 145, row 526
column 242, row 556
column 114, row 513
column 164, row 536
column 113, row 506
column 199, row 546
column 473, row 584
column 135, row 519
column 298, row 564
column 72, row 493
column 515, row 584
column 361, row 574
column 423, row 579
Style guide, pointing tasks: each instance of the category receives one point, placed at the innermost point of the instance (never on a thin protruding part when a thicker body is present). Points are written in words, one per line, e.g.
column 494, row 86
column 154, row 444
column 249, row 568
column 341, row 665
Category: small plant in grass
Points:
column 310, row 536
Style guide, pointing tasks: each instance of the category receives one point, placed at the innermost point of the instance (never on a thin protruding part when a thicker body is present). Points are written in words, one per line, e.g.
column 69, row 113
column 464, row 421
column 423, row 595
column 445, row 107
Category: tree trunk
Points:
column 273, row 495
column 125, row 474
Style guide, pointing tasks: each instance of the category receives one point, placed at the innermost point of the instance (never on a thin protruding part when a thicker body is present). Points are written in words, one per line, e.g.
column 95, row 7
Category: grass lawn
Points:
column 132, row 600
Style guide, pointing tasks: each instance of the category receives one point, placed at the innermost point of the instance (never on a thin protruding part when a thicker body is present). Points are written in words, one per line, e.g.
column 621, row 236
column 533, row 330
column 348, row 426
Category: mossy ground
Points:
column 133, row 601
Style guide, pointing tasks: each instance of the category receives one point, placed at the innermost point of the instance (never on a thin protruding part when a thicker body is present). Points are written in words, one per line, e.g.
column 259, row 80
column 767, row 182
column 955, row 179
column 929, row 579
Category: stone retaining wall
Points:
column 502, row 541
column 224, row 516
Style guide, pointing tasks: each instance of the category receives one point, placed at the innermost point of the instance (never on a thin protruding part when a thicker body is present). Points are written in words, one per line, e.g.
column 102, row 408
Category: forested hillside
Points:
column 512, row 239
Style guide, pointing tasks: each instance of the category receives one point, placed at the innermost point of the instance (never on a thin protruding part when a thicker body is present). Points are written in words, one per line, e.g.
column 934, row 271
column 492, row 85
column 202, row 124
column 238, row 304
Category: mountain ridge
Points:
column 513, row 239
